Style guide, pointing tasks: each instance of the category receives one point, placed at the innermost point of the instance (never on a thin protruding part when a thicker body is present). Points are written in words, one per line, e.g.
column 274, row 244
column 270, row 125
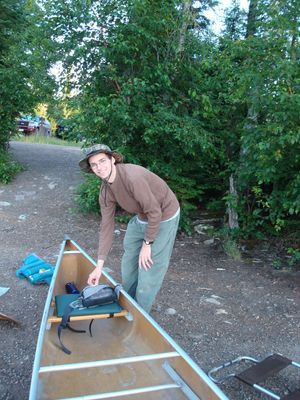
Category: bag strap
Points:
column 118, row 289
column 65, row 323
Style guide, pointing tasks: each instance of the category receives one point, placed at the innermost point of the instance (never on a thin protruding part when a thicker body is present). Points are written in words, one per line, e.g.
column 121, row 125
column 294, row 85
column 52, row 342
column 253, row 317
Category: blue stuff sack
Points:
column 36, row 270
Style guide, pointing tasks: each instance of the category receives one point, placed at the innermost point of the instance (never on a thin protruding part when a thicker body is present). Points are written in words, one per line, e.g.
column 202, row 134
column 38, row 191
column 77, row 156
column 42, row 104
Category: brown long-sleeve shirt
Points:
column 137, row 191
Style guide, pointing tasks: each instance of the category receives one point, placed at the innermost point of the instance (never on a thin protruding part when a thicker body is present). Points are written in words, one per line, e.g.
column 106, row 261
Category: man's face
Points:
column 101, row 165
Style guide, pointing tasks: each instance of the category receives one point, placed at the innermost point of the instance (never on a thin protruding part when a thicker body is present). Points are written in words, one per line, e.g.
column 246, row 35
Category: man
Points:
column 150, row 235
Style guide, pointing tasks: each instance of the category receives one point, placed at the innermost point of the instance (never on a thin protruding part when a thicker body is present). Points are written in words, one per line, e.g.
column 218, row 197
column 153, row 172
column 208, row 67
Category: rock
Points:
column 52, row 185
column 213, row 301
column 4, row 204
column 202, row 229
column 221, row 311
column 209, row 242
column 170, row 311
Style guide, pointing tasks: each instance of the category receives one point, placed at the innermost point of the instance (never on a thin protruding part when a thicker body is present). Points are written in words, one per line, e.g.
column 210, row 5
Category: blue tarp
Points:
column 36, row 270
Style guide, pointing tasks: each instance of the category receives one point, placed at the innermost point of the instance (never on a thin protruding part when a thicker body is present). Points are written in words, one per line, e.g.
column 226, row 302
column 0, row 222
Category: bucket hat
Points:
column 91, row 151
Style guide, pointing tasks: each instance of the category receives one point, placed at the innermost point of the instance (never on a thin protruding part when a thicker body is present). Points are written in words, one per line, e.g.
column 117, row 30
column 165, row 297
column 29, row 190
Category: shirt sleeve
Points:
column 143, row 194
column 107, row 224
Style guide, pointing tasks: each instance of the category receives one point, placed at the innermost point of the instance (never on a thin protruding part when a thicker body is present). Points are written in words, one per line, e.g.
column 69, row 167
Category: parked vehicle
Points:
column 29, row 125
column 44, row 127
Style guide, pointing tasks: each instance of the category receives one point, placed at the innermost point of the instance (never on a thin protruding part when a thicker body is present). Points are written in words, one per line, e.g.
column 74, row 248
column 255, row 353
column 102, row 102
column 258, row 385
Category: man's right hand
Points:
column 95, row 276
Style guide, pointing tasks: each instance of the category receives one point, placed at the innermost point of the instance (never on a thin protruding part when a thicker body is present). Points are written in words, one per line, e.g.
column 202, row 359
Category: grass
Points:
column 38, row 139
column 8, row 168
column 231, row 248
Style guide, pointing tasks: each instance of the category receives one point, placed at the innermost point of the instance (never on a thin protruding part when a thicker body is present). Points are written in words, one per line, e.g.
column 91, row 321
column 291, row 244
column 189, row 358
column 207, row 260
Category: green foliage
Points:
column 235, row 22
column 8, row 168
column 123, row 218
column 87, row 195
column 294, row 260
column 231, row 248
column 185, row 222
column 193, row 110
column 259, row 102
column 45, row 140
column 24, row 63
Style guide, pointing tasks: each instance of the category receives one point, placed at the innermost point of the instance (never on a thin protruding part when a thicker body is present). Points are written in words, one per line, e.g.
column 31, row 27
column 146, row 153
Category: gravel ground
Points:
column 214, row 307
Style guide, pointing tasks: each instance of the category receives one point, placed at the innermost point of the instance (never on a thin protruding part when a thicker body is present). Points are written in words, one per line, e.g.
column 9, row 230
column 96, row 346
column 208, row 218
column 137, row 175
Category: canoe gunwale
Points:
column 43, row 326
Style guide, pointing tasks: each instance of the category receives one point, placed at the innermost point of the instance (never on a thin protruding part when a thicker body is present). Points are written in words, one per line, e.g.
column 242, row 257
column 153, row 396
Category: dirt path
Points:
column 215, row 308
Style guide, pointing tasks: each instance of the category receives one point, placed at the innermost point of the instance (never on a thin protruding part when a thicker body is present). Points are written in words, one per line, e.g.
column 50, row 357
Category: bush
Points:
column 87, row 195
column 8, row 167
column 231, row 248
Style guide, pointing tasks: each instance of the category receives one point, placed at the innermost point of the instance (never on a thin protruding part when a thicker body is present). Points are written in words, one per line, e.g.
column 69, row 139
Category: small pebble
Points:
column 170, row 311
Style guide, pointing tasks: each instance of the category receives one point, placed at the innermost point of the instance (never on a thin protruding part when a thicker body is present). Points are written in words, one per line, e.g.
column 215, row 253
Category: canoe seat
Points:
column 103, row 311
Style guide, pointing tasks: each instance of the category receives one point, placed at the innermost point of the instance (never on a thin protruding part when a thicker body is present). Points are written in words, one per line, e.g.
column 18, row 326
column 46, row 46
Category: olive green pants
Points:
column 143, row 285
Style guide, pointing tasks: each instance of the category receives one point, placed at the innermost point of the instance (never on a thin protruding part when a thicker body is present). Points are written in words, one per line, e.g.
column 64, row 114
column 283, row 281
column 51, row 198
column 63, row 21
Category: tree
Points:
column 10, row 26
column 263, row 72
column 24, row 63
column 201, row 113
column 234, row 21
column 135, row 92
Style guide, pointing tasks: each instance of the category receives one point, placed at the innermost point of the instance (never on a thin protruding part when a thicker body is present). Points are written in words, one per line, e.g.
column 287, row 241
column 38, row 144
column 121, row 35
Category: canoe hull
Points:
column 130, row 356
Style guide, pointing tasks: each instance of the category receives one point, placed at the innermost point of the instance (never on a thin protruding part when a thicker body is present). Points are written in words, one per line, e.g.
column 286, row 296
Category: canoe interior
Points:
column 113, row 340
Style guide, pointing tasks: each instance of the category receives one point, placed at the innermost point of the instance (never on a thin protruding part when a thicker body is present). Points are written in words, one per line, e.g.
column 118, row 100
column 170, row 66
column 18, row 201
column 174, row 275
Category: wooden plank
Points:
column 8, row 318
column 54, row 319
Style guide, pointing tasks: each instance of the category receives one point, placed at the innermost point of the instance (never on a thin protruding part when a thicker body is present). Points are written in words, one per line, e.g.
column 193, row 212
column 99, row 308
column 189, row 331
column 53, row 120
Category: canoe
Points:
column 128, row 356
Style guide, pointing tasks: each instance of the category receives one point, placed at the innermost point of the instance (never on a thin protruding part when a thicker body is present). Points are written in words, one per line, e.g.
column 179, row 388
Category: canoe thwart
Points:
column 54, row 320
column 105, row 363
column 125, row 393
column 83, row 314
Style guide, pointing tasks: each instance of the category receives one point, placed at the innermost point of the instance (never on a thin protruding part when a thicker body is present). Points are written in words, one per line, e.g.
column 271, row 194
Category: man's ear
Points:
column 113, row 159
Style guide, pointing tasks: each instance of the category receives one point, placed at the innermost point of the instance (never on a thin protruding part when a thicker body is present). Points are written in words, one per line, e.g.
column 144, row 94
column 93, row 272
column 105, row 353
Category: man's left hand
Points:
column 145, row 260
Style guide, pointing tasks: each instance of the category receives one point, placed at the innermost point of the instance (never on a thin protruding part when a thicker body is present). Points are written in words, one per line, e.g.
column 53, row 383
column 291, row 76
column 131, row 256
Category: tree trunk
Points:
column 187, row 5
column 251, row 119
column 251, row 20
column 232, row 213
